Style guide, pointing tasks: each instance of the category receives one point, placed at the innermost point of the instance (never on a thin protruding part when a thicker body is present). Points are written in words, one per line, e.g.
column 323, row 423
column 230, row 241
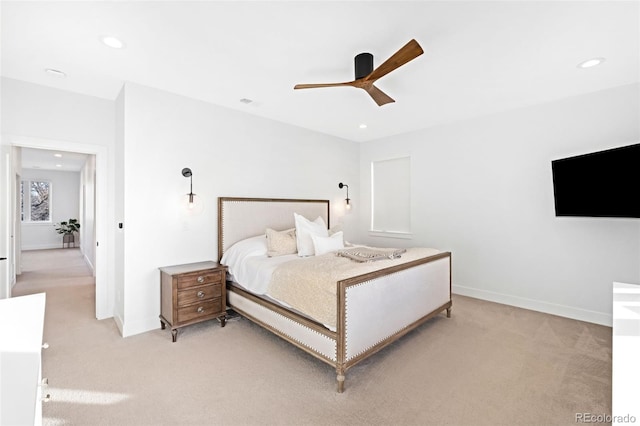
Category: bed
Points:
column 372, row 309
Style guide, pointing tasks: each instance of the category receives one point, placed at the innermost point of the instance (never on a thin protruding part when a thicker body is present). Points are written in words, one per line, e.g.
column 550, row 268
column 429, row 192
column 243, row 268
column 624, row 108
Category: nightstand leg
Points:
column 162, row 325
column 223, row 320
column 174, row 334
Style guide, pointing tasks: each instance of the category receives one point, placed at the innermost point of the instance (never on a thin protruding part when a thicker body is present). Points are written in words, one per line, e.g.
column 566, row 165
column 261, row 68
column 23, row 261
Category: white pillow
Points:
column 305, row 229
column 254, row 246
column 324, row 245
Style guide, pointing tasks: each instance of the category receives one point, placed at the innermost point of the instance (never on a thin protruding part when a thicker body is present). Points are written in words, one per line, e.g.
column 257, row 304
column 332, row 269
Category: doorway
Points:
column 103, row 302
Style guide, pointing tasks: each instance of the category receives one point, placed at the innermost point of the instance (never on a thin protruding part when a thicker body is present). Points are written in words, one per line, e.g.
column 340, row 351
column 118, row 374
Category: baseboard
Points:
column 595, row 317
column 119, row 324
column 90, row 265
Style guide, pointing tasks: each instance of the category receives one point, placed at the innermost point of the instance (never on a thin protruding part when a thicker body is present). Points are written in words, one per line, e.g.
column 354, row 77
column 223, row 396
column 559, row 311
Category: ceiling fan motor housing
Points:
column 363, row 65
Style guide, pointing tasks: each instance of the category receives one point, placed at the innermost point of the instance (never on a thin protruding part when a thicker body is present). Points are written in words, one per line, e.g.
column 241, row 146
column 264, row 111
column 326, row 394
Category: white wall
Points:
column 231, row 154
column 147, row 137
column 483, row 189
column 64, row 205
column 42, row 117
column 42, row 112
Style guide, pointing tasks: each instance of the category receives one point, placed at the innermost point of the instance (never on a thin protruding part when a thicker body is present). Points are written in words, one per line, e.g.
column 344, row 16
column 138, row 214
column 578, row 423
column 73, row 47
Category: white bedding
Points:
column 254, row 272
column 249, row 265
column 310, row 284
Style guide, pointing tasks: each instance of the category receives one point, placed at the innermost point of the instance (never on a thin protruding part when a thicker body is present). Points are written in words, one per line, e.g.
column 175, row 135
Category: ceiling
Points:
column 480, row 57
column 52, row 160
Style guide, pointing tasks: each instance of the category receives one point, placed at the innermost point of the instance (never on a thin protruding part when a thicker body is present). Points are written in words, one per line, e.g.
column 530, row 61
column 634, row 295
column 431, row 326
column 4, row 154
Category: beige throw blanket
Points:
column 368, row 254
column 310, row 284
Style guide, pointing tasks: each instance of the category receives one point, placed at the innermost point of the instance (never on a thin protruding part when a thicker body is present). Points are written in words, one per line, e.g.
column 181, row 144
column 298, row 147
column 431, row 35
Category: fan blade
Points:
column 407, row 53
column 313, row 86
column 378, row 95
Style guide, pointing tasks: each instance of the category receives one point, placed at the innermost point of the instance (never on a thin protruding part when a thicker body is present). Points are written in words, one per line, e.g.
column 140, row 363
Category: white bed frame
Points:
column 374, row 309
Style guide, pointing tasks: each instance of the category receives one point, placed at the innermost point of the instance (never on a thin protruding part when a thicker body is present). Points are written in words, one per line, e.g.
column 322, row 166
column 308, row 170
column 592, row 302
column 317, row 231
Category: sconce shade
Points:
column 191, row 204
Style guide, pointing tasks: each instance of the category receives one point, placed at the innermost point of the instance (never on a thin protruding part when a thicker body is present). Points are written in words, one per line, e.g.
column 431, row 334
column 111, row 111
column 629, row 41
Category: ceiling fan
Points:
column 365, row 74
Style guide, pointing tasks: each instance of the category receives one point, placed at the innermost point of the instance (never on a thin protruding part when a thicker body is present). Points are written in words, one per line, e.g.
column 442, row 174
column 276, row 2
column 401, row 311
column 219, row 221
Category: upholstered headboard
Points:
column 240, row 218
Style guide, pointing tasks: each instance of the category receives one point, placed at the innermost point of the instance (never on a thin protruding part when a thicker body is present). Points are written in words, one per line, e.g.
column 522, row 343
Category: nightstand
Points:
column 192, row 293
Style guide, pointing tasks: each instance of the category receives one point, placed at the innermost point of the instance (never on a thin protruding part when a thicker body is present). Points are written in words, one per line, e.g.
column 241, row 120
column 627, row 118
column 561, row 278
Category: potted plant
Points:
column 68, row 229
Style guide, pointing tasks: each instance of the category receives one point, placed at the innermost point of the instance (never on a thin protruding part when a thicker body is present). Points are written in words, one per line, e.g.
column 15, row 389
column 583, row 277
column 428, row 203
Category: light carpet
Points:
column 489, row 364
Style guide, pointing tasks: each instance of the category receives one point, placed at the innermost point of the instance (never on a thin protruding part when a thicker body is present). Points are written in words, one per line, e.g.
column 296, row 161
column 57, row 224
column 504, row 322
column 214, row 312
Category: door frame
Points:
column 104, row 286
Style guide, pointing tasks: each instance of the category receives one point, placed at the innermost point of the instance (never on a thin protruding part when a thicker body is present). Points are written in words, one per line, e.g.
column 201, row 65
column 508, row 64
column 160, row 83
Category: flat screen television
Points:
column 599, row 184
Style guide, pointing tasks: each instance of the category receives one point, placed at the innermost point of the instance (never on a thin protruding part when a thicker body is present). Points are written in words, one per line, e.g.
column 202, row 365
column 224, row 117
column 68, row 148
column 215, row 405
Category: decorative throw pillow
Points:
column 281, row 242
column 324, row 245
column 305, row 229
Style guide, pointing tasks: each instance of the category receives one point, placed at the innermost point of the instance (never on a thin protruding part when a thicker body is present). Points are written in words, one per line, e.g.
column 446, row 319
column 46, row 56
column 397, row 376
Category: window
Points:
column 35, row 201
column 391, row 197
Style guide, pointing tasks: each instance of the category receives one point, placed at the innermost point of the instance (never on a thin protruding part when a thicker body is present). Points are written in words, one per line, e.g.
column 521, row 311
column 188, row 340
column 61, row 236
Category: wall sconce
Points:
column 343, row 185
column 192, row 203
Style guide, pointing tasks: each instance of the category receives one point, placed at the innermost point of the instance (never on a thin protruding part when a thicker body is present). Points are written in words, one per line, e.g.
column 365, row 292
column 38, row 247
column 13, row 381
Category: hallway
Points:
column 44, row 270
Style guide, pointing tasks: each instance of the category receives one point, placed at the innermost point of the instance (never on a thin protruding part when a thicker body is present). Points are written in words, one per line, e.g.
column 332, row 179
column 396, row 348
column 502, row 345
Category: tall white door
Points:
column 5, row 206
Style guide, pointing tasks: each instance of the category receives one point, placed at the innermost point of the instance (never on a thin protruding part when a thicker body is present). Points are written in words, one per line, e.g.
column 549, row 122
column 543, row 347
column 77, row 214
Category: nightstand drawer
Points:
column 203, row 277
column 206, row 308
column 197, row 294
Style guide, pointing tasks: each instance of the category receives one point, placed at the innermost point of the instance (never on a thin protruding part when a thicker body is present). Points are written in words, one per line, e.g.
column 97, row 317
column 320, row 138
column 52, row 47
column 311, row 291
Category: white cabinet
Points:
column 21, row 329
column 626, row 353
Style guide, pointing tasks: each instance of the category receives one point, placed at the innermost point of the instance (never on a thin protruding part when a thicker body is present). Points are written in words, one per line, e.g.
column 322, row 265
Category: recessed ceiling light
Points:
column 112, row 42
column 58, row 165
column 591, row 63
column 363, row 126
column 57, row 155
column 245, row 101
column 55, row 73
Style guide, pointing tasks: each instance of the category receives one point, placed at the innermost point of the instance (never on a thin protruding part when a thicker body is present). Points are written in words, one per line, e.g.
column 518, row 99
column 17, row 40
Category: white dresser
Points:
column 626, row 354
column 21, row 329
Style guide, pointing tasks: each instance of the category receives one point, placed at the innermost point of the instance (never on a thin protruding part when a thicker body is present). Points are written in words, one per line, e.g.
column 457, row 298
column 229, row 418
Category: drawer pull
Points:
column 46, row 398
column 45, row 345
column 200, row 294
column 44, row 382
column 200, row 279
column 200, row 309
